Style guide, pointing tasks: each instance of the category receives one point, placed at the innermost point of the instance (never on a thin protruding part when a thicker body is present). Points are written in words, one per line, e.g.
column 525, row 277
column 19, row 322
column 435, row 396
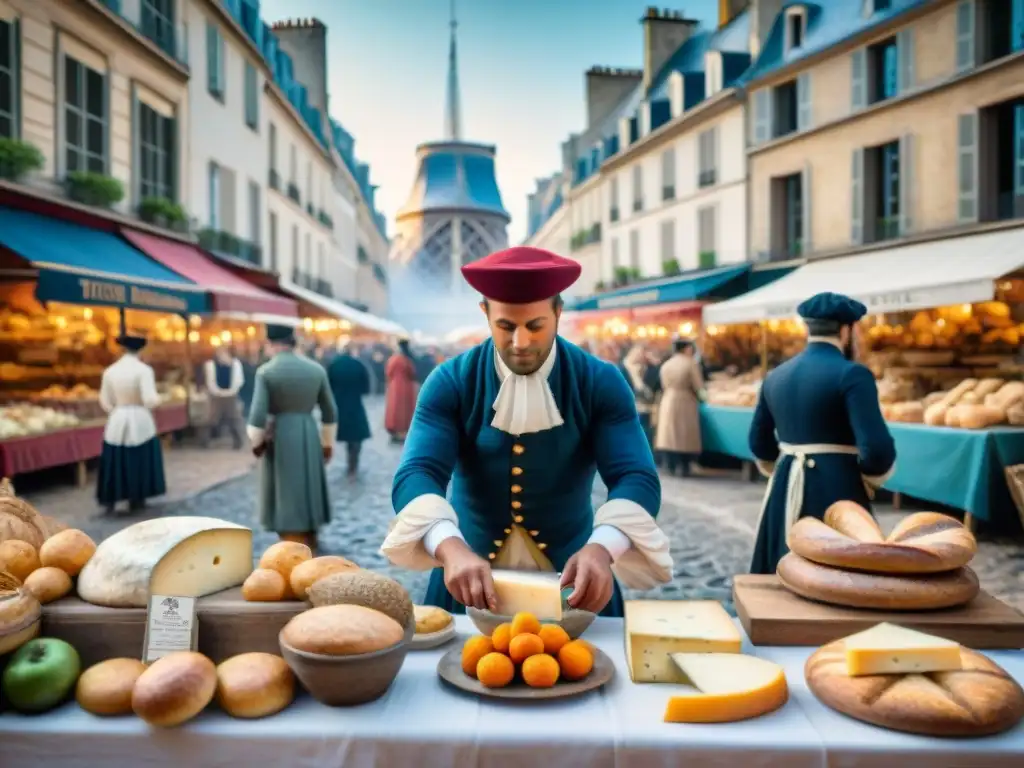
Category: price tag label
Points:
column 171, row 626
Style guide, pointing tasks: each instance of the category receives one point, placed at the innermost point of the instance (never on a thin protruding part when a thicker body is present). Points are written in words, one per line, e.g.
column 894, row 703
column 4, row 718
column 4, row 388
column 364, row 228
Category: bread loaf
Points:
column 911, row 412
column 953, row 396
column 1007, row 396
column 1015, row 415
column 925, row 542
column 986, row 387
column 853, row 520
column 932, row 398
column 979, row 416
column 174, row 689
column 935, row 415
column 306, row 573
column 952, row 416
column 341, row 630
column 871, row 590
column 978, row 700
column 254, row 685
column 106, row 688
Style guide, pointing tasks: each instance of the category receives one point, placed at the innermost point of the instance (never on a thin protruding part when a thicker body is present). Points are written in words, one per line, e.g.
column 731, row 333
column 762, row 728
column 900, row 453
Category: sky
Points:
column 521, row 75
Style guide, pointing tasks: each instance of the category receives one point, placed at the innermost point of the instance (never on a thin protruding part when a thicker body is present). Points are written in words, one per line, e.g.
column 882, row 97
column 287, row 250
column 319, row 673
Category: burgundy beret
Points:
column 521, row 275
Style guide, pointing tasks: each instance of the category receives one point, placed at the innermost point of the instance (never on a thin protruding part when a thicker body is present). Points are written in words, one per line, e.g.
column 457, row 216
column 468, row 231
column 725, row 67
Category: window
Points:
column 309, row 183
column 795, row 21
column 668, row 246
column 787, row 205
column 272, row 235
column 157, row 155
column 85, row 118
column 707, row 154
column 215, row 71
column 876, row 6
column 882, row 191
column 613, row 210
column 158, row 24
column 10, row 87
column 883, row 71
column 295, row 248
column 321, row 262
column 252, row 97
column 668, row 174
column 706, row 237
column 988, row 30
column 293, row 164
column 634, row 249
column 214, row 192
column 996, row 151
column 616, row 258
column 785, row 107
column 309, row 255
column 638, row 188
column 254, row 213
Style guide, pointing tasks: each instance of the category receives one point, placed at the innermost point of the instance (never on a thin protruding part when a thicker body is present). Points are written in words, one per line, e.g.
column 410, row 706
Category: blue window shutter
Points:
column 857, row 197
column 967, row 166
column 905, row 60
column 1018, row 150
column 805, row 203
column 1017, row 24
column 906, row 184
column 859, row 79
column 966, row 35
column 803, row 102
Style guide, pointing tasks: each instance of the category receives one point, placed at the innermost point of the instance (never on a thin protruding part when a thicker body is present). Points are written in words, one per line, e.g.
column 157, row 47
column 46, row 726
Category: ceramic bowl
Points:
column 346, row 681
column 573, row 621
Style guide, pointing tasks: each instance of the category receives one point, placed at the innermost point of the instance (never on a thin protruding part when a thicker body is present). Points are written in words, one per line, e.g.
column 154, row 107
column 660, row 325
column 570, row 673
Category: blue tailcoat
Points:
column 817, row 397
column 350, row 382
column 451, row 439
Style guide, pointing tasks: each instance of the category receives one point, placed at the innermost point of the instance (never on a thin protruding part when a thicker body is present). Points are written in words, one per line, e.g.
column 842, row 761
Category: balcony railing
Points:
column 707, row 178
column 230, row 245
column 315, row 284
column 586, row 237
column 325, row 219
column 171, row 38
column 274, row 180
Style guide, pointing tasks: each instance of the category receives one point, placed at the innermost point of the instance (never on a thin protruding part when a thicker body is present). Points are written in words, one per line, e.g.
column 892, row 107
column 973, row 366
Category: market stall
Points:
column 328, row 320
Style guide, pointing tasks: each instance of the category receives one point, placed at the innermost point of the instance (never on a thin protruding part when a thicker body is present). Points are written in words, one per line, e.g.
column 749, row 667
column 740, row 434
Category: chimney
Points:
column 730, row 9
column 664, row 31
column 305, row 40
column 762, row 16
column 606, row 87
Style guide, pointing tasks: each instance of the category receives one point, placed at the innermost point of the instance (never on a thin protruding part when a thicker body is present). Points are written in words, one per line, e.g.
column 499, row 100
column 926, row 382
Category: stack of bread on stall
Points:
column 846, row 560
column 971, row 404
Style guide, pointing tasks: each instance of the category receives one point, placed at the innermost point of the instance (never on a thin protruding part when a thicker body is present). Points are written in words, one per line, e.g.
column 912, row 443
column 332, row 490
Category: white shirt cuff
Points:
column 443, row 529
column 327, row 434
column 257, row 436
column 611, row 538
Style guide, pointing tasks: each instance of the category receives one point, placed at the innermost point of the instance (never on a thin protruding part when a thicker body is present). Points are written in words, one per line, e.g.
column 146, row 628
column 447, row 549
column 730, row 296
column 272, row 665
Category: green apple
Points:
column 41, row 674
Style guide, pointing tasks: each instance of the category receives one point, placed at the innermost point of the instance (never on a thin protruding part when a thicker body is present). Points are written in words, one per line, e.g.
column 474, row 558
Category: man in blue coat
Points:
column 818, row 431
column 519, row 426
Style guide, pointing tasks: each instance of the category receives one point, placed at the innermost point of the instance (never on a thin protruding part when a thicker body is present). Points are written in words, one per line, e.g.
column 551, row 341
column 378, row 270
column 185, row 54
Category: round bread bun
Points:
column 430, row 618
column 341, row 630
column 925, row 542
column 254, row 685
column 106, row 688
column 854, row 589
column 980, row 699
column 174, row 689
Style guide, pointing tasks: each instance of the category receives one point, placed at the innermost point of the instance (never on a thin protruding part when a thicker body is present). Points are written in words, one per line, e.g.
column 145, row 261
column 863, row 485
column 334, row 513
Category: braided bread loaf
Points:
column 849, row 537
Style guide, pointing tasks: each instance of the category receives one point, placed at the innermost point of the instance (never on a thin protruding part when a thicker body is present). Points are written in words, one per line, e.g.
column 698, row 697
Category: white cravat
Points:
column 524, row 403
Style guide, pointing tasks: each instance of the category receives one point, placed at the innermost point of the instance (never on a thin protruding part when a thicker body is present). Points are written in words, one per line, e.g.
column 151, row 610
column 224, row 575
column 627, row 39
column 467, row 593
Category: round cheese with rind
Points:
column 730, row 687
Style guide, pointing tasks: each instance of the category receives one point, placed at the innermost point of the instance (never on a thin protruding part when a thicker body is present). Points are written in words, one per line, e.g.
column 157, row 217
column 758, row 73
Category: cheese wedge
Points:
column 657, row 628
column 529, row 592
column 888, row 649
column 179, row 556
column 730, row 687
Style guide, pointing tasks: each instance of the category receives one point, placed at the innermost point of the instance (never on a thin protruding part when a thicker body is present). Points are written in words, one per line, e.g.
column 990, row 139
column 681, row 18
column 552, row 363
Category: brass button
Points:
column 517, row 489
column 517, row 504
column 508, row 531
column 518, row 518
column 535, row 533
column 518, row 450
column 542, row 546
column 517, row 471
column 491, row 556
column 497, row 542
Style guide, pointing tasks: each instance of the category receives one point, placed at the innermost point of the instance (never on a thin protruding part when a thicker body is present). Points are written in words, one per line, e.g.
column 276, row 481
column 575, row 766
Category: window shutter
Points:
column 967, row 162
column 211, row 56
column 803, row 102
column 906, row 184
column 859, row 79
column 136, row 133
column 762, row 116
column 805, row 202
column 966, row 36
column 857, row 198
column 905, row 57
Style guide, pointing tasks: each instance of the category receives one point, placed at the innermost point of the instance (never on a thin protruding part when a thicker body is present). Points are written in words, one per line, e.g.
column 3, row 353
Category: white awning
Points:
column 958, row 270
column 343, row 311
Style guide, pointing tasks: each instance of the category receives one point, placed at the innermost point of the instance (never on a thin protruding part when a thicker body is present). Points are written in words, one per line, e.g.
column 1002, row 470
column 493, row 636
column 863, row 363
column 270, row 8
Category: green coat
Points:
column 293, row 497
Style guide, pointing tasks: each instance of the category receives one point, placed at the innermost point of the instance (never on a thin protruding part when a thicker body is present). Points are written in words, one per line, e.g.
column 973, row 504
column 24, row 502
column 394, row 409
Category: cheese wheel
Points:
column 731, row 687
column 174, row 689
column 870, row 590
column 980, row 699
column 106, row 688
column 254, row 685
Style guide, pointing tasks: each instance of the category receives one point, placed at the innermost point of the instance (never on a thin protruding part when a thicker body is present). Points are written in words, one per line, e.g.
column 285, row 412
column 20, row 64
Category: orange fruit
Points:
column 524, row 646
column 501, row 636
column 474, row 650
column 523, row 623
column 495, row 670
column 540, row 671
column 554, row 638
column 576, row 660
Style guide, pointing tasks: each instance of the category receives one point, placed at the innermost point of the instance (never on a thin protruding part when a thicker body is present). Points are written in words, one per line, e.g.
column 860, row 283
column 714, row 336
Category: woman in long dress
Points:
column 634, row 367
column 132, row 462
column 678, row 434
column 402, row 387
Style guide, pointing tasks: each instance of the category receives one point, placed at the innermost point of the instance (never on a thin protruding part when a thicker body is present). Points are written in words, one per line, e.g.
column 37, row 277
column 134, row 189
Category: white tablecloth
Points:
column 421, row 723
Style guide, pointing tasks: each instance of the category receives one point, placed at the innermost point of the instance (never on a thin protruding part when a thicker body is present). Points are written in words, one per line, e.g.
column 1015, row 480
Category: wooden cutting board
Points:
column 772, row 615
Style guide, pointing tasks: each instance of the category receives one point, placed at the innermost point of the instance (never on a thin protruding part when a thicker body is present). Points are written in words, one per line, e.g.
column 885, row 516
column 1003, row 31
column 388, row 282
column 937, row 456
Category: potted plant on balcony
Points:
column 670, row 267
column 163, row 213
column 622, row 276
column 95, row 189
column 18, row 158
column 219, row 242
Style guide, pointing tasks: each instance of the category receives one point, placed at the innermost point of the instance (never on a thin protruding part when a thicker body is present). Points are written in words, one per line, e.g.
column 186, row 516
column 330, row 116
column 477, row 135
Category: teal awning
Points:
column 79, row 265
column 722, row 282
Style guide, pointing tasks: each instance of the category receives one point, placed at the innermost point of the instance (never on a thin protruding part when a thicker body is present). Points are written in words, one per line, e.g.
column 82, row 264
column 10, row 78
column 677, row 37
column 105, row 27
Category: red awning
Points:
column 653, row 311
column 229, row 291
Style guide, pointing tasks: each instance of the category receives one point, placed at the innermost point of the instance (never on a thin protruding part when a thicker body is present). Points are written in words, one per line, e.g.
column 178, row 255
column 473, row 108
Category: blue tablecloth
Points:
column 958, row 468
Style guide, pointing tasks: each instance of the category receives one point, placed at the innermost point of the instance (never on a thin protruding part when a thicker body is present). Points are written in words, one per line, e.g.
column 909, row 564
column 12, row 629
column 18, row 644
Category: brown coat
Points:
column 678, row 415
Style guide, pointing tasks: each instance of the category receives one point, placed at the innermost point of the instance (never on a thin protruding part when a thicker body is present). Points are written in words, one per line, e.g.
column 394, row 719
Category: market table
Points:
column 958, row 468
column 421, row 722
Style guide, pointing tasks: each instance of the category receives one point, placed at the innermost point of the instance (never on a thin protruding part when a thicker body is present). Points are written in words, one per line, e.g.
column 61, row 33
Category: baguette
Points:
column 987, row 386
column 979, row 416
column 953, row 396
column 853, row 520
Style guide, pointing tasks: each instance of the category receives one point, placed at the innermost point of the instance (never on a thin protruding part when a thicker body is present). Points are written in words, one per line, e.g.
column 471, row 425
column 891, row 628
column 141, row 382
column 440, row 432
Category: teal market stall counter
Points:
column 959, row 468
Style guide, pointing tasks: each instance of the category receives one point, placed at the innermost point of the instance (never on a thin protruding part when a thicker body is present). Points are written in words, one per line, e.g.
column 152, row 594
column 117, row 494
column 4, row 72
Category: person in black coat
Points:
column 350, row 383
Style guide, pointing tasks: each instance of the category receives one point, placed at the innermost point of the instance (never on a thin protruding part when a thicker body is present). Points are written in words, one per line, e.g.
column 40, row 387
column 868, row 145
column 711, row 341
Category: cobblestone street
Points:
column 710, row 519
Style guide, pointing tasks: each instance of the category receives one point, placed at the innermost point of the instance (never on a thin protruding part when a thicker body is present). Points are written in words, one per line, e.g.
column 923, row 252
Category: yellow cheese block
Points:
column 655, row 629
column 529, row 592
column 888, row 649
column 730, row 687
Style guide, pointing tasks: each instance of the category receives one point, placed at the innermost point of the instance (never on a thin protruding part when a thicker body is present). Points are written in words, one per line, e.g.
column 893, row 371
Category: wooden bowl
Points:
column 347, row 681
column 573, row 621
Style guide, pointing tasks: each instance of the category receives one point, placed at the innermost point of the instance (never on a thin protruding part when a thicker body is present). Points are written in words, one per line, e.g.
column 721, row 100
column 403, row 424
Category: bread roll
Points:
column 1007, row 396
column 68, row 550
column 953, row 396
column 986, row 387
column 979, row 416
column 910, row 412
column 304, row 574
column 254, row 685
column 853, row 520
column 18, row 558
column 48, row 584
column 264, row 585
column 283, row 557
column 106, row 688
column 174, row 689
column 342, row 630
column 925, row 542
column 430, row 618
column 978, row 700
column 935, row 415
column 870, row 590
column 932, row 399
column 1015, row 415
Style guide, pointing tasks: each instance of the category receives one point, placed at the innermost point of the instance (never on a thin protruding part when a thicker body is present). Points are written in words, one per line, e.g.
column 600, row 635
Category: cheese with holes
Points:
column 180, row 556
column 530, row 592
column 888, row 649
column 655, row 629
column 729, row 687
